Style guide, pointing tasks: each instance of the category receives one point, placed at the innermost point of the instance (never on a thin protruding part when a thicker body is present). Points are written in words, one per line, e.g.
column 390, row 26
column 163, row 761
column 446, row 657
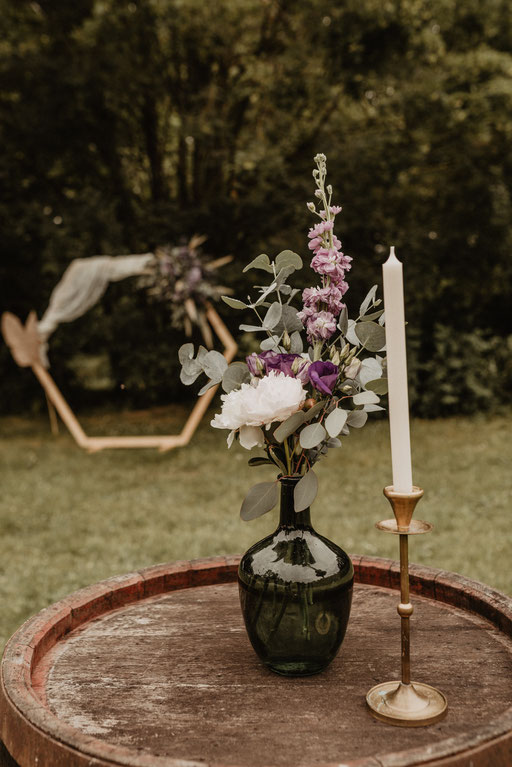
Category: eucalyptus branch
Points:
column 275, row 279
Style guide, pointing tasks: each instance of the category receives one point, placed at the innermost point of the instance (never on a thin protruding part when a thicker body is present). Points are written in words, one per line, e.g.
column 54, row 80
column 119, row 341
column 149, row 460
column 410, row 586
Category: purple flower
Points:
column 262, row 364
column 320, row 326
column 254, row 364
column 282, row 363
column 321, row 228
column 300, row 368
column 322, row 304
column 330, row 296
column 323, row 376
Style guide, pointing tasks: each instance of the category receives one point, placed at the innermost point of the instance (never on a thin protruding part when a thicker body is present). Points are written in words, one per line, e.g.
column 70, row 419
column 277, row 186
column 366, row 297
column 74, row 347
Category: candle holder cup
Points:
column 402, row 702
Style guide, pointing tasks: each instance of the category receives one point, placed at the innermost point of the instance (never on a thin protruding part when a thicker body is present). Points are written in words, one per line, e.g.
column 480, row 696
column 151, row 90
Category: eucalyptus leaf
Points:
column 289, row 321
column 366, row 398
column 335, row 422
column 260, row 262
column 271, row 343
column 265, row 292
column 283, row 275
column 368, row 300
column 334, row 442
column 251, row 328
column 370, row 370
column 372, row 316
column 349, row 387
column 372, row 408
column 289, row 426
column 214, row 364
column 259, row 461
column 371, row 335
column 305, row 491
column 273, row 316
column 185, row 352
column 357, row 418
column 188, row 378
column 234, row 376
column 296, row 344
column 201, row 354
column 260, row 499
column 234, row 303
column 378, row 385
column 288, row 258
column 192, row 367
column 278, row 460
column 350, row 333
column 343, row 321
column 285, row 289
column 207, row 386
column 313, row 411
column 312, row 435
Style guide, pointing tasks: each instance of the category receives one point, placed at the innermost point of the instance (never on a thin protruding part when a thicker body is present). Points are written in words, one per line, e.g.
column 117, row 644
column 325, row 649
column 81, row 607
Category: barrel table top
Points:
column 154, row 669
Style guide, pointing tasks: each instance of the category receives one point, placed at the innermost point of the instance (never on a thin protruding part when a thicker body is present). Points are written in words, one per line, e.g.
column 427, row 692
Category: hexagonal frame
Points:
column 24, row 345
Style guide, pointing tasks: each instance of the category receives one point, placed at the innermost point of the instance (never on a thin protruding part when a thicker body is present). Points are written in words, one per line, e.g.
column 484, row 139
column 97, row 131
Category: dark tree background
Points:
column 130, row 124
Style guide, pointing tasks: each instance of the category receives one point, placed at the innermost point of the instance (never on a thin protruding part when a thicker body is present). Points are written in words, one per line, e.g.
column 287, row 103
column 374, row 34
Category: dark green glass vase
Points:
column 295, row 592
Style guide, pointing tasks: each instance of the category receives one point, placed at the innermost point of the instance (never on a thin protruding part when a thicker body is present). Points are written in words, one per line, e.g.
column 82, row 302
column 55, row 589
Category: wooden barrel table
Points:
column 154, row 669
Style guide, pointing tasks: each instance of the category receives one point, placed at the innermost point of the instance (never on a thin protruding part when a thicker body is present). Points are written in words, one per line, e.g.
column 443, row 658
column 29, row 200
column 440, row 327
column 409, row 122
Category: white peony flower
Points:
column 271, row 398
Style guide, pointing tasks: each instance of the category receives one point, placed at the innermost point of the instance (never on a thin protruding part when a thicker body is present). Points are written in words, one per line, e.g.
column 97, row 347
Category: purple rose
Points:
column 323, row 376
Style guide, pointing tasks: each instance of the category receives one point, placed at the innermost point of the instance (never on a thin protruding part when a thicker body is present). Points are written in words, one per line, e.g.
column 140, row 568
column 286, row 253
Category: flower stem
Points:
column 287, row 454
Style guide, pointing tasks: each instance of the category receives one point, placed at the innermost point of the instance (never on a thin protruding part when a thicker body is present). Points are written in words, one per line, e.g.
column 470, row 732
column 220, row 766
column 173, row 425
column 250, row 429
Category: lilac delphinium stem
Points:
column 322, row 305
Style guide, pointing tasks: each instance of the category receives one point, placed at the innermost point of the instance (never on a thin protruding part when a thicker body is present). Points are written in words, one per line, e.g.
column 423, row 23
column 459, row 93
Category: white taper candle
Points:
column 397, row 374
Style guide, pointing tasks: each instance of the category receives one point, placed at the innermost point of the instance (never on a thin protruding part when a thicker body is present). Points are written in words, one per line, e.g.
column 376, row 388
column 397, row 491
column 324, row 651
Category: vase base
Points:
column 297, row 668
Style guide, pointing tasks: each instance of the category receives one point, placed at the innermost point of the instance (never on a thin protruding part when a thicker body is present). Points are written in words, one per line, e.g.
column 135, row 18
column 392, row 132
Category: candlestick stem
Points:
column 405, row 608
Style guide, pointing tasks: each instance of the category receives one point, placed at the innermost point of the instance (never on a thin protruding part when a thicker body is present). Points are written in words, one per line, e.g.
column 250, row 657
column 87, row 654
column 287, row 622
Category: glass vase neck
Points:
column 288, row 516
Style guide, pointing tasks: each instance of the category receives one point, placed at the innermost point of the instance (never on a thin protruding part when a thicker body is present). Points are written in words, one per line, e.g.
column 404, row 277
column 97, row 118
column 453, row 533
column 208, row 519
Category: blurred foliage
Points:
column 459, row 372
column 126, row 125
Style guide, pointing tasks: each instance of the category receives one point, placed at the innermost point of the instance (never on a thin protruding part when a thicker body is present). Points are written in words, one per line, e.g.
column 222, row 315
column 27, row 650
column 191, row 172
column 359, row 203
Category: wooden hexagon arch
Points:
column 24, row 344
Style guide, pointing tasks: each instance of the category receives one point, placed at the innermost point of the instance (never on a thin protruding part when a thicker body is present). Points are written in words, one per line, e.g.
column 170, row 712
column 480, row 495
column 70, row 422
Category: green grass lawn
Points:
column 69, row 519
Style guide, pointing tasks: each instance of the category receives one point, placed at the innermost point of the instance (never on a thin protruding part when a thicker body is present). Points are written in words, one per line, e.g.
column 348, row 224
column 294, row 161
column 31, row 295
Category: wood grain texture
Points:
column 154, row 668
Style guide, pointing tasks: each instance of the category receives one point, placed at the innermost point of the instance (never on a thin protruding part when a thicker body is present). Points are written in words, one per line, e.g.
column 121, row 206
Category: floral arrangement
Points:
column 295, row 402
column 185, row 279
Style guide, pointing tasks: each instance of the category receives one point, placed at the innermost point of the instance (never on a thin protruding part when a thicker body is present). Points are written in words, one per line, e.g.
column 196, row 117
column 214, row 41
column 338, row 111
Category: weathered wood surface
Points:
column 155, row 668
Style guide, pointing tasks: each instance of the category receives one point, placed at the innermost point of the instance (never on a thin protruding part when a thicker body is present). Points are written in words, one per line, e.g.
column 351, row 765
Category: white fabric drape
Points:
column 82, row 285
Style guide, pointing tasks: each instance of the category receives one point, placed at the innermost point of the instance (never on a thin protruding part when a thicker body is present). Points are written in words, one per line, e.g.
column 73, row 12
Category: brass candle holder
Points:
column 405, row 703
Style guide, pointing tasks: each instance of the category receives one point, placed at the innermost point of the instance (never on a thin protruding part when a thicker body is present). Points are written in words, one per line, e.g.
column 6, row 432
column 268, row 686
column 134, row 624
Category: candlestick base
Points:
column 406, row 705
